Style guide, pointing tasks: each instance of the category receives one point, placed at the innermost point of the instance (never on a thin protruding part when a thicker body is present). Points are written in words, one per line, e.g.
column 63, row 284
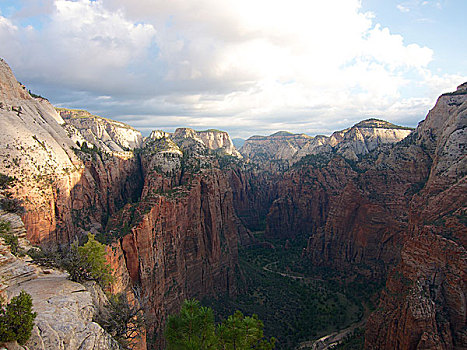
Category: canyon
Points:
column 376, row 200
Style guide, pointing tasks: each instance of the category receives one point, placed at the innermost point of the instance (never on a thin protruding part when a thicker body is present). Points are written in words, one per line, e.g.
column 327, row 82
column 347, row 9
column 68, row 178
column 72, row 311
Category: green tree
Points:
column 92, row 254
column 17, row 319
column 9, row 238
column 194, row 329
column 243, row 332
column 86, row 262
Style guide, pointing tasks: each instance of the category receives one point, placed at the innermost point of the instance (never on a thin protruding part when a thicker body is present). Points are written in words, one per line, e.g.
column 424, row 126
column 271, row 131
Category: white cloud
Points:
column 240, row 65
column 402, row 8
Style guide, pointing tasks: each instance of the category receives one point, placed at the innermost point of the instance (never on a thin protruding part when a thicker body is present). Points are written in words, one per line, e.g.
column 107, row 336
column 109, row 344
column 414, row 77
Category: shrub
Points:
column 12, row 205
column 6, row 181
column 83, row 263
column 74, row 263
column 17, row 319
column 122, row 320
column 9, row 238
column 92, row 255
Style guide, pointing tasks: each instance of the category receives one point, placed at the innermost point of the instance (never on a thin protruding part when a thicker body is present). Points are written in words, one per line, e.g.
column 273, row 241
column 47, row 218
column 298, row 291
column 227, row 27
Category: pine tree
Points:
column 17, row 319
column 194, row 329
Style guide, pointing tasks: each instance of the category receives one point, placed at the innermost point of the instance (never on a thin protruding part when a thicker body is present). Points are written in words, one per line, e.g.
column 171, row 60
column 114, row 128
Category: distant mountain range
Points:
column 379, row 201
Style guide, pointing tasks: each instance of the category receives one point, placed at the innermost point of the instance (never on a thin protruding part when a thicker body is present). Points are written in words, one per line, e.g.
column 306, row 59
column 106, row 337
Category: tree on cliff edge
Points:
column 194, row 329
column 17, row 319
column 88, row 262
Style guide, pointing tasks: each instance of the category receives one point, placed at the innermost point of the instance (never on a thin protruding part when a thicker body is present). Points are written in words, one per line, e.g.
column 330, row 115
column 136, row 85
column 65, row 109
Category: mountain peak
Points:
column 282, row 133
column 380, row 124
column 462, row 87
column 10, row 88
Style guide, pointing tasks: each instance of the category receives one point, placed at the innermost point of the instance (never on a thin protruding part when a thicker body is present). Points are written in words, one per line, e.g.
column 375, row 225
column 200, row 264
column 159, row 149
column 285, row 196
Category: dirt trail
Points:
column 330, row 340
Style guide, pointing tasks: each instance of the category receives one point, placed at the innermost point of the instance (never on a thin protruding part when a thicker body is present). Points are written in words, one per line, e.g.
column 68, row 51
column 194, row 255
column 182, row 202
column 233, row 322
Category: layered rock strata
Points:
column 108, row 135
column 181, row 241
column 424, row 303
column 282, row 149
column 64, row 188
column 64, row 309
column 175, row 210
column 398, row 211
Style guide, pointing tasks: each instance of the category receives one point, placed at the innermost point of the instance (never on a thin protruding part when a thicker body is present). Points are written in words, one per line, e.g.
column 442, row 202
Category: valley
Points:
column 295, row 305
column 312, row 234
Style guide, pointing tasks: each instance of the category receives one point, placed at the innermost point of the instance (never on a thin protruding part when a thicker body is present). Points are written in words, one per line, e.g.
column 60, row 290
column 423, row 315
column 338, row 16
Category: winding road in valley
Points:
column 330, row 340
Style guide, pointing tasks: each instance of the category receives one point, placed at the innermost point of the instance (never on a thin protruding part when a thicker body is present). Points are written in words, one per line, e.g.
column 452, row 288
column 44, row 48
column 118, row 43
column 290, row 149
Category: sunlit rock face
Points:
column 427, row 291
column 212, row 139
column 378, row 199
column 64, row 309
column 183, row 234
column 64, row 190
column 286, row 148
column 397, row 212
column 107, row 134
column 178, row 238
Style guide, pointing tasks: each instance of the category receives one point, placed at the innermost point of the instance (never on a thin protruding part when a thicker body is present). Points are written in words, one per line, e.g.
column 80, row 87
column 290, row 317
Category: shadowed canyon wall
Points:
column 174, row 206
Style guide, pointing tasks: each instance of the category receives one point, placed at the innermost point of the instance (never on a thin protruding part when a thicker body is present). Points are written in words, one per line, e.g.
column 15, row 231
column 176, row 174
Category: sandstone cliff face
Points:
column 64, row 309
column 215, row 139
column 108, row 135
column 427, row 290
column 211, row 139
column 58, row 183
column 183, row 233
column 253, row 192
column 176, row 235
column 400, row 209
column 365, row 204
column 286, row 148
column 280, row 147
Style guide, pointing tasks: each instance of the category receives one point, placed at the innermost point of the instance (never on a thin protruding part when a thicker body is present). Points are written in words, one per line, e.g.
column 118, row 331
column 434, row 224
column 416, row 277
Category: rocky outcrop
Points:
column 285, row 149
column 64, row 189
column 175, row 211
column 176, row 236
column 182, row 239
column 211, row 139
column 216, row 139
column 279, row 147
column 108, row 135
column 64, row 309
column 399, row 210
column 64, row 315
column 426, row 292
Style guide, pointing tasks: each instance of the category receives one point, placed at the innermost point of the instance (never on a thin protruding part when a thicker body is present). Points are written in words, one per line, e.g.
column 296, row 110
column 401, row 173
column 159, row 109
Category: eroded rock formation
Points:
column 282, row 149
column 64, row 188
column 65, row 309
column 398, row 211
column 174, row 211
column 427, row 290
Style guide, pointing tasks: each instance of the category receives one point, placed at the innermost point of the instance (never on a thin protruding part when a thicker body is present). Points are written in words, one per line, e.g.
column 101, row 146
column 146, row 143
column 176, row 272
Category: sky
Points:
column 243, row 66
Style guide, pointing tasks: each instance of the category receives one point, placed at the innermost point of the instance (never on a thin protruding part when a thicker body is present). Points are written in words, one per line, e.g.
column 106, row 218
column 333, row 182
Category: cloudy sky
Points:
column 245, row 66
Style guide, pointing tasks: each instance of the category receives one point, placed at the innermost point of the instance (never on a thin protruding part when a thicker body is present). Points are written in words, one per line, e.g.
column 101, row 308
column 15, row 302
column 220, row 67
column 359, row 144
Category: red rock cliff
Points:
column 184, row 232
column 424, row 304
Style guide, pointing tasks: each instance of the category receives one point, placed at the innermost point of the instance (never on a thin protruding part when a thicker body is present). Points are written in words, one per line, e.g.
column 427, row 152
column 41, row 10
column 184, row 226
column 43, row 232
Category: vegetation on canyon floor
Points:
column 296, row 301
